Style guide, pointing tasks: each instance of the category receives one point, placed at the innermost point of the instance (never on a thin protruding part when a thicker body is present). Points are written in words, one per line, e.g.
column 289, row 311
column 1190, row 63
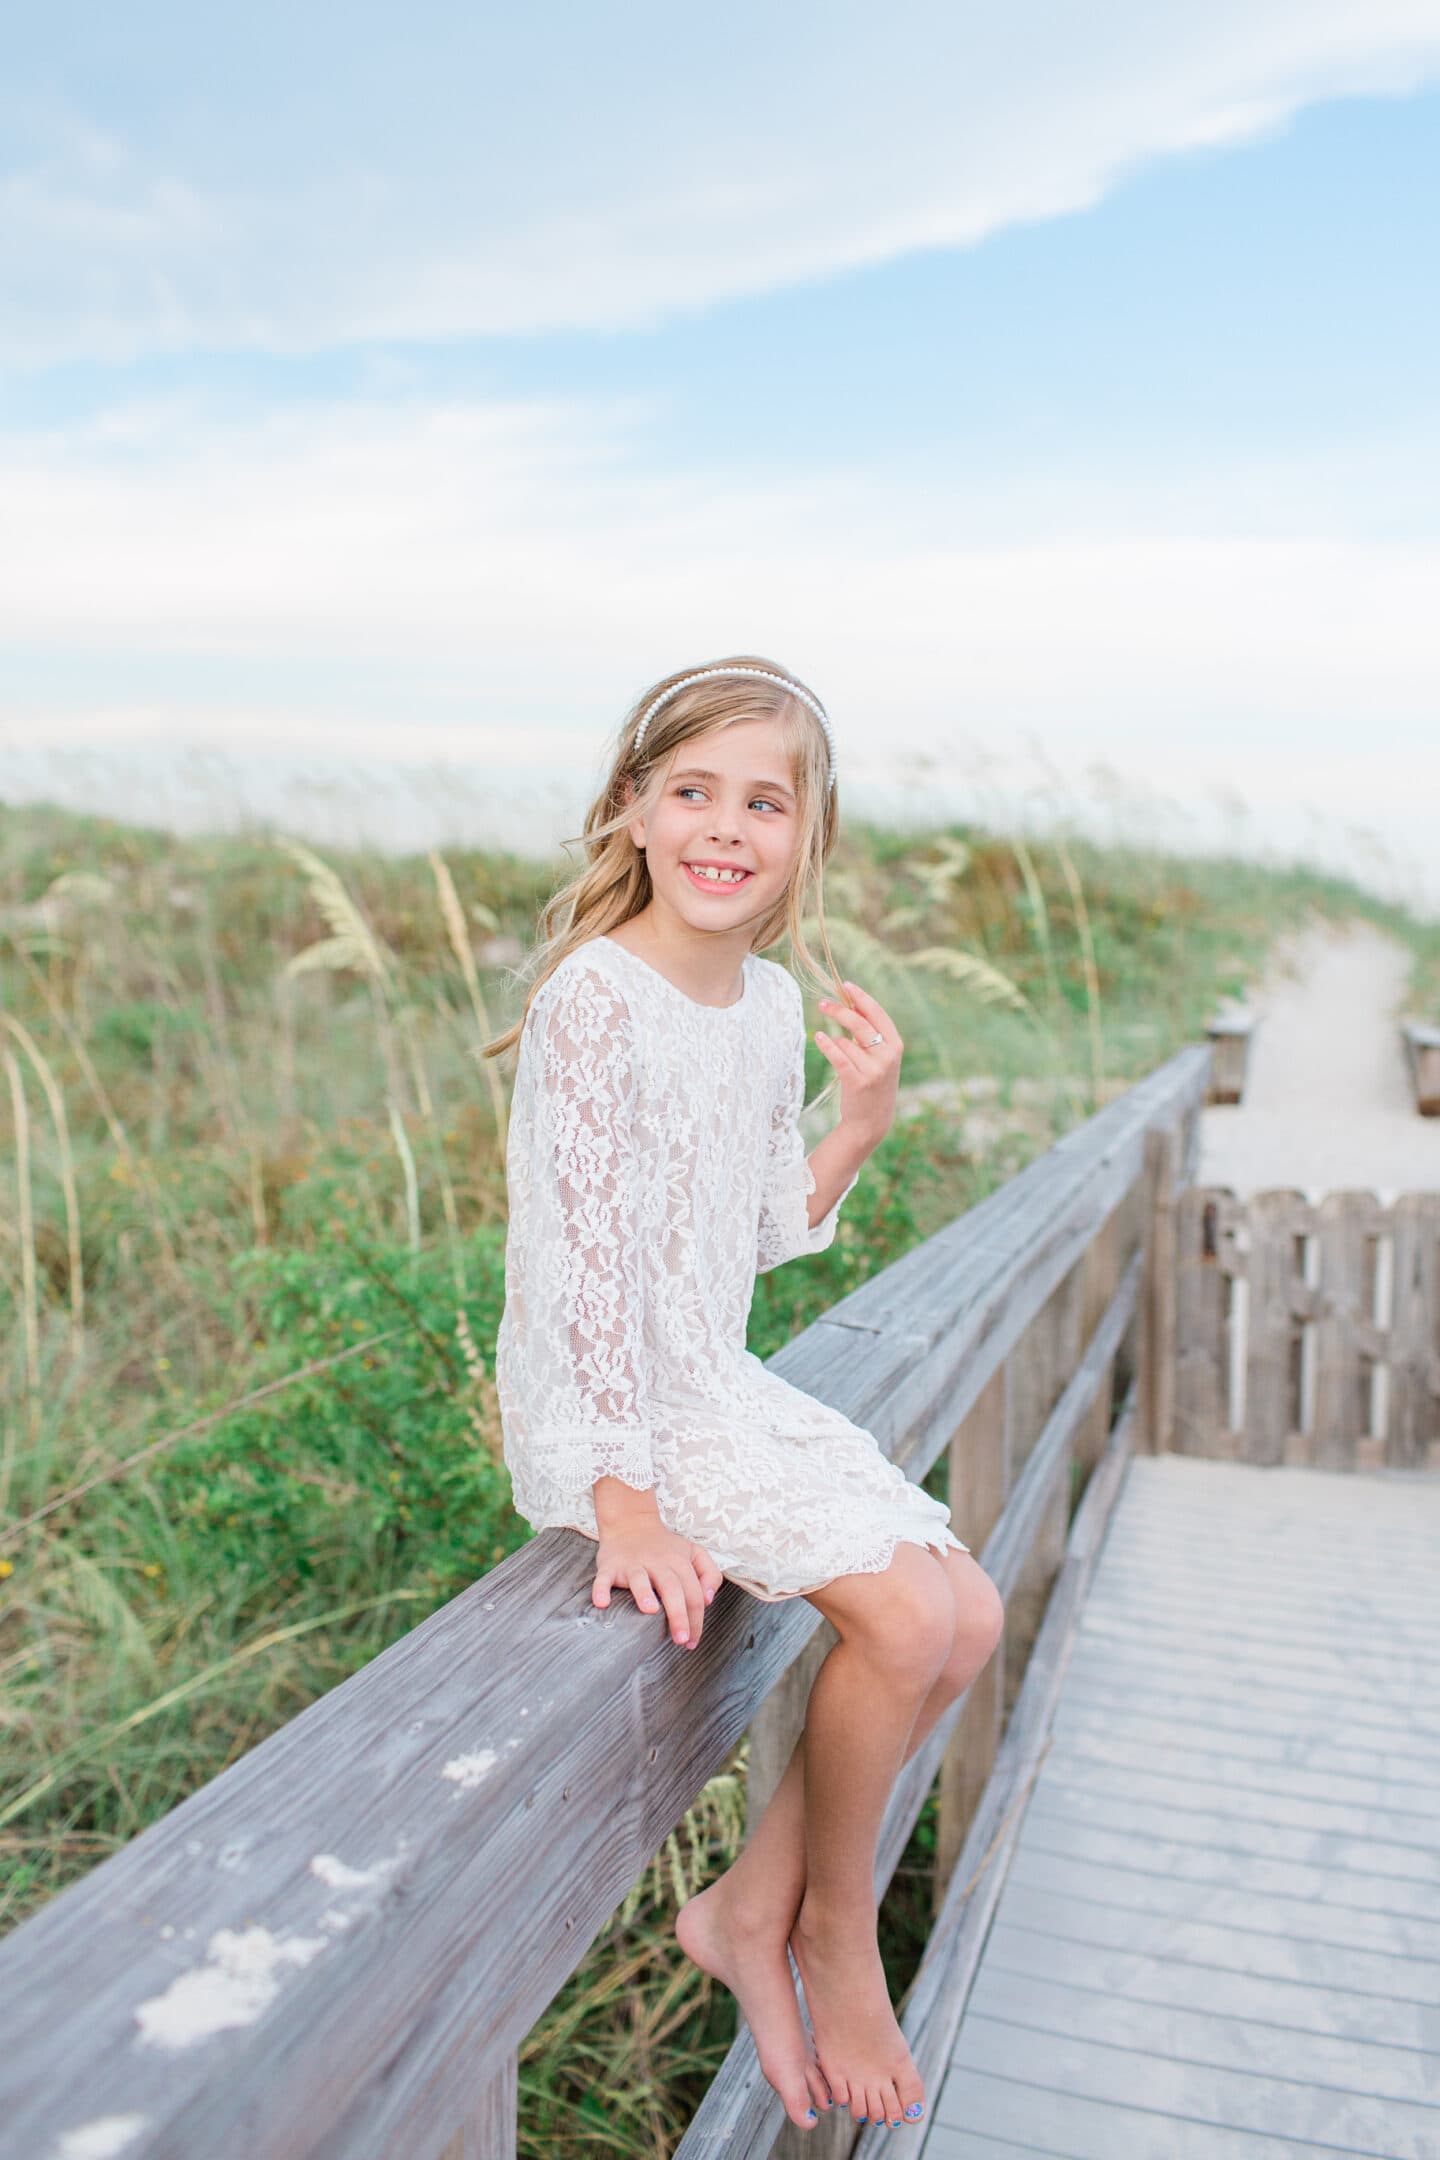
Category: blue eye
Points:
column 691, row 789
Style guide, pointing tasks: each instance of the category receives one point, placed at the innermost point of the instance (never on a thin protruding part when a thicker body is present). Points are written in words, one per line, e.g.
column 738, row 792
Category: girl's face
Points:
column 727, row 803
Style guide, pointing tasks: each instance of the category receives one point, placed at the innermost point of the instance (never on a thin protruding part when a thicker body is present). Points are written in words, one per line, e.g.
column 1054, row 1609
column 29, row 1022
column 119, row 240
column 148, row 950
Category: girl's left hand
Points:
column 869, row 1071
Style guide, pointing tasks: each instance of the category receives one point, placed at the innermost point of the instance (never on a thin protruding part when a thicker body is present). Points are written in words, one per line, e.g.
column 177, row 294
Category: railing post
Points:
column 979, row 1482
column 491, row 2132
column 1157, row 1333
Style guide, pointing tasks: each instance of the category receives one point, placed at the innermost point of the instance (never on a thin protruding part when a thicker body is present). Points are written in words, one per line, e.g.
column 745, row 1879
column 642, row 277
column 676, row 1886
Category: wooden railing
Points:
column 336, row 1947
column 1422, row 1059
column 1306, row 1332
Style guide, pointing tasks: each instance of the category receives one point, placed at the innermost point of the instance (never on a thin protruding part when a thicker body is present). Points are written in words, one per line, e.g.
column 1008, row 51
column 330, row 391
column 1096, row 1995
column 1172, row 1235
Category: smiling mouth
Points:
column 716, row 884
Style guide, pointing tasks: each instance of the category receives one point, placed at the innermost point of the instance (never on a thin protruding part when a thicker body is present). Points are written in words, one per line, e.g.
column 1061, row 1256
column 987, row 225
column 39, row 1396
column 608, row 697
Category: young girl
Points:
column 656, row 1165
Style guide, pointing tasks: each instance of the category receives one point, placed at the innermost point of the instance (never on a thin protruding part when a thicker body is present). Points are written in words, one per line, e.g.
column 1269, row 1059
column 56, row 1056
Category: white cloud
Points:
column 602, row 169
column 507, row 559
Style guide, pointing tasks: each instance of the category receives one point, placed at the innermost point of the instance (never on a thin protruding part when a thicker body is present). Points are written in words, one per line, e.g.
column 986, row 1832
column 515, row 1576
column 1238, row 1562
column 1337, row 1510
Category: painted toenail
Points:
column 811, row 2116
column 916, row 2107
column 896, row 2124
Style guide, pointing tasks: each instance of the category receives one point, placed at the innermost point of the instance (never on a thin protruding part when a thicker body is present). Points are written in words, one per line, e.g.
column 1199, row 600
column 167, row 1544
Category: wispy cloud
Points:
column 605, row 168
column 508, row 559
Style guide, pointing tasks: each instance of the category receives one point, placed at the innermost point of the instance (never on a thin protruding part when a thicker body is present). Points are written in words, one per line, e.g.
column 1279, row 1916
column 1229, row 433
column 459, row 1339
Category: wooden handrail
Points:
column 335, row 1948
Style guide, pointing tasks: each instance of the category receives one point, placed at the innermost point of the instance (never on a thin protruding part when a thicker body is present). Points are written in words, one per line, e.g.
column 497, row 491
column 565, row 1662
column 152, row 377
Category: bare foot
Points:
column 861, row 2049
column 750, row 1960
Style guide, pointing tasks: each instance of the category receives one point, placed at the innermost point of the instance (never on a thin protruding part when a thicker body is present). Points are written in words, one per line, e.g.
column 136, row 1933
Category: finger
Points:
column 711, row 1576
column 675, row 1612
column 845, row 1014
column 641, row 1591
column 600, row 1588
column 874, row 1011
column 840, row 1054
column 694, row 1603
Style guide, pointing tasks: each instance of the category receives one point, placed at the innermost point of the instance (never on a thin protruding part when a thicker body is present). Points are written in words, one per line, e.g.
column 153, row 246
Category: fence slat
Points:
column 1202, row 1335
column 1350, row 1227
column 1413, row 1427
column 1272, row 1413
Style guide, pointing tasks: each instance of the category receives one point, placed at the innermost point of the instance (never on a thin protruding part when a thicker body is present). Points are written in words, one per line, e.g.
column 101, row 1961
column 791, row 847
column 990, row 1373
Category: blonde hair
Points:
column 616, row 884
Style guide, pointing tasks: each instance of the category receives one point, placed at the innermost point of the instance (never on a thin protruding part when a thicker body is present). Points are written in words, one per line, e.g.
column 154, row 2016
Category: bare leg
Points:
column 738, row 1929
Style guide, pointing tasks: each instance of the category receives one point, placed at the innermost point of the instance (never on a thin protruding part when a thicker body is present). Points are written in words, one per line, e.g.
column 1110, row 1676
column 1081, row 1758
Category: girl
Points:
column 656, row 1165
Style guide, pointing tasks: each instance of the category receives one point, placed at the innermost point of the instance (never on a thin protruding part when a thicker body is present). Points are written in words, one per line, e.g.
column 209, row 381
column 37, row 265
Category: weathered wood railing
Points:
column 1422, row 1059
column 1308, row 1332
column 1230, row 1035
column 335, row 1948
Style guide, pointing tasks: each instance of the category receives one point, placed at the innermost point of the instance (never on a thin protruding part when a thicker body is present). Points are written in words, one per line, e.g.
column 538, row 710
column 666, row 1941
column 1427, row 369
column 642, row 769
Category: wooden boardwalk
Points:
column 1219, row 1935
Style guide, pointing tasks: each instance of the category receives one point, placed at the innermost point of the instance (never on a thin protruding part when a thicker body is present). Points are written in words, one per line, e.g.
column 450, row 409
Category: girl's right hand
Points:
column 657, row 1566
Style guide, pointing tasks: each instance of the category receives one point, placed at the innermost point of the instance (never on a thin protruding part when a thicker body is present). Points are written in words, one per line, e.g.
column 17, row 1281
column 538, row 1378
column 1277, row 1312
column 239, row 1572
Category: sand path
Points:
column 1327, row 1102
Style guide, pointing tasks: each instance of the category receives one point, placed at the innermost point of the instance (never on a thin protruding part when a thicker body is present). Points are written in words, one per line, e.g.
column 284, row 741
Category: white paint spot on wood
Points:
column 334, row 1920
column 337, row 1876
column 471, row 1770
column 236, row 1986
column 101, row 2139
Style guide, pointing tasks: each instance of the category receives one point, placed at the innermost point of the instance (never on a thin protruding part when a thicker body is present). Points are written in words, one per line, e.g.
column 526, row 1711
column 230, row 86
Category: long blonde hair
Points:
column 616, row 885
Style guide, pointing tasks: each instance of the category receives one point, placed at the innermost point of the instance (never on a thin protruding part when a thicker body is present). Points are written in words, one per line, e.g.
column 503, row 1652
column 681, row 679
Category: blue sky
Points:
column 1063, row 381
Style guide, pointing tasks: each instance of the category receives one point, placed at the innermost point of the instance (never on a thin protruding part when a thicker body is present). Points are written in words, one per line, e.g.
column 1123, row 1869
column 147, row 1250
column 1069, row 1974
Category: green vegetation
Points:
column 253, row 1236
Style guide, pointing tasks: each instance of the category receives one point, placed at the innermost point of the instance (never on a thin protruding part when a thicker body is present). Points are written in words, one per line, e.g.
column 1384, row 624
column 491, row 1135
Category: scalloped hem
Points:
column 944, row 1538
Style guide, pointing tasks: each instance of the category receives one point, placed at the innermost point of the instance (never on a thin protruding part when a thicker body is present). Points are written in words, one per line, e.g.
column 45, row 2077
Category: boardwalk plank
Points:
column 1221, row 2037
column 1156, row 1971
column 1214, row 1721
column 1394, row 1679
column 1082, row 2128
column 1247, row 1694
column 1289, row 1807
column 1274, row 1923
column 1229, row 2099
column 1416, row 1867
column 1140, row 1661
column 945, row 2142
column 1338, row 1624
column 1058, row 1831
column 1172, row 1752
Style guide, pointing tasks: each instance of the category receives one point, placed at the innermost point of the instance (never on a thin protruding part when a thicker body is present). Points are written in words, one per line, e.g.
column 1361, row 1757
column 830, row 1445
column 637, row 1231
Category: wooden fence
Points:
column 335, row 1948
column 1308, row 1332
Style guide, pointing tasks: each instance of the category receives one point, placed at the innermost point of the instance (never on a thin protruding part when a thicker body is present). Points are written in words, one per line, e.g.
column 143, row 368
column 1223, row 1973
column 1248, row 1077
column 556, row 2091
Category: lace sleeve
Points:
column 590, row 1399
column 785, row 1231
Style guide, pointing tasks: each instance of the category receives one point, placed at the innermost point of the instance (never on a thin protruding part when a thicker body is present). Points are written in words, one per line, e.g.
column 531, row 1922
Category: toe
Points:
column 889, row 2104
column 819, row 2090
column 800, row 2105
column 912, row 2099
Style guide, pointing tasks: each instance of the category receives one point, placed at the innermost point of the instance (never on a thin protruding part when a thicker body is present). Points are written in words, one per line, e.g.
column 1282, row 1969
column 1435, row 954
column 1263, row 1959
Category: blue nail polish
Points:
column 896, row 2124
column 812, row 2116
column 916, row 2108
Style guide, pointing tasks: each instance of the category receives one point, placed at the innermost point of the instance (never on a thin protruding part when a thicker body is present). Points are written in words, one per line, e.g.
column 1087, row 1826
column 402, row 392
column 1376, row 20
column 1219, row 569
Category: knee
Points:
column 979, row 1624
column 914, row 1633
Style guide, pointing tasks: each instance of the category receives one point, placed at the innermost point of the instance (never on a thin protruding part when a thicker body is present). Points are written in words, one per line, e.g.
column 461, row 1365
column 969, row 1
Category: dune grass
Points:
column 252, row 1242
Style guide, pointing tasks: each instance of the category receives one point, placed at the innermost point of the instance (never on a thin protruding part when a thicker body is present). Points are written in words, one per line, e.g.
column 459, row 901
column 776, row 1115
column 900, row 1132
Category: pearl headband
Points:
column 766, row 675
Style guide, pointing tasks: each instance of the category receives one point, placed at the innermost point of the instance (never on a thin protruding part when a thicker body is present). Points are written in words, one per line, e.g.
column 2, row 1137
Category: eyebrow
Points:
column 696, row 772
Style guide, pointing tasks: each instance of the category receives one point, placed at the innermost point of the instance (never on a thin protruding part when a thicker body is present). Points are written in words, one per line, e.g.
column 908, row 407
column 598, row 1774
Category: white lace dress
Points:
column 656, row 1165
